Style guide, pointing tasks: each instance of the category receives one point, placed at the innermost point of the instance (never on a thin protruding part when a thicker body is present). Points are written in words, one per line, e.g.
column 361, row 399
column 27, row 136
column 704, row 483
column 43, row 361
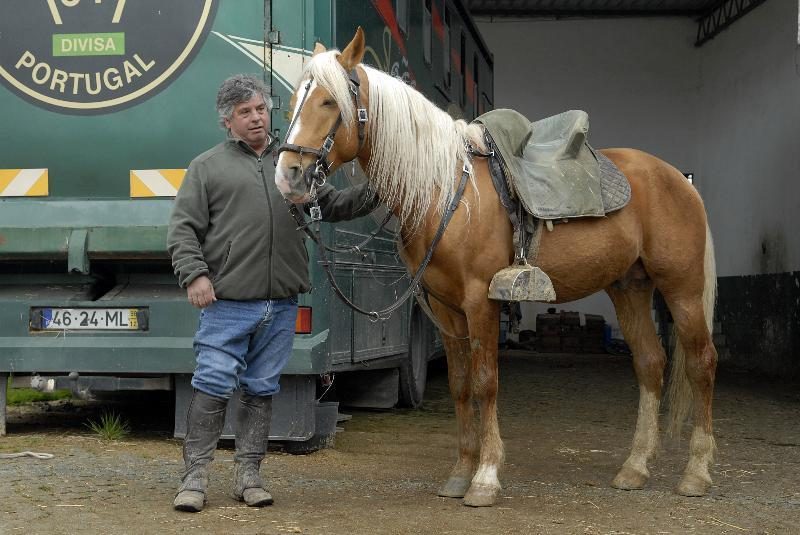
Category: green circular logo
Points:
column 97, row 56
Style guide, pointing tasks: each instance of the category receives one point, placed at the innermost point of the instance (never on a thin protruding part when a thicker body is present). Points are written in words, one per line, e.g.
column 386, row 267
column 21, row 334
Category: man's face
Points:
column 250, row 122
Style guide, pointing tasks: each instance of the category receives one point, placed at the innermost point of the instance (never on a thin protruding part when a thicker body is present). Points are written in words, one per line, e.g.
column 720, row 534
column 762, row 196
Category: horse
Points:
column 413, row 154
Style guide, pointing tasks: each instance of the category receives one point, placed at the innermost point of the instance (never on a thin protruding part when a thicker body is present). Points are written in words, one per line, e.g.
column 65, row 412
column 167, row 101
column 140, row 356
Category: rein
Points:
column 413, row 288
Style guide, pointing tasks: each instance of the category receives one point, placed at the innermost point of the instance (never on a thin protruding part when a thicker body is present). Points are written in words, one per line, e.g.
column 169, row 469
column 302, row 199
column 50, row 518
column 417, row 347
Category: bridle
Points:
column 317, row 175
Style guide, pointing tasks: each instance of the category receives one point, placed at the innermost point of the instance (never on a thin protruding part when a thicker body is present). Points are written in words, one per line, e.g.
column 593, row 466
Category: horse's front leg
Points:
column 458, row 370
column 484, row 326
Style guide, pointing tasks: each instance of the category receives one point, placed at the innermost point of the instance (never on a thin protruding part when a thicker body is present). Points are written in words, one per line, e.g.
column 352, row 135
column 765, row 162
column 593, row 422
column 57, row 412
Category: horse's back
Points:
column 664, row 217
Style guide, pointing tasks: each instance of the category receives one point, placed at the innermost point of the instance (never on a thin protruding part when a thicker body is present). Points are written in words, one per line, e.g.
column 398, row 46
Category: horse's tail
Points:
column 680, row 391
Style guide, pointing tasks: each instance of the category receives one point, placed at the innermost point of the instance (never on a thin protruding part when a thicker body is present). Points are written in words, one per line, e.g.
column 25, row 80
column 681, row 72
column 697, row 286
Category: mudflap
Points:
column 3, row 407
column 298, row 419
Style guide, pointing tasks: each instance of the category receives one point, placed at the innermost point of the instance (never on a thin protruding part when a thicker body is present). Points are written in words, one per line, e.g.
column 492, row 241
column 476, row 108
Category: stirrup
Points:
column 521, row 282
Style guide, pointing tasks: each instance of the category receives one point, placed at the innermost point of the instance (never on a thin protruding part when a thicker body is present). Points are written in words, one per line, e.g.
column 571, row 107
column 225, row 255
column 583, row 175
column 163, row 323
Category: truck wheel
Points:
column 414, row 370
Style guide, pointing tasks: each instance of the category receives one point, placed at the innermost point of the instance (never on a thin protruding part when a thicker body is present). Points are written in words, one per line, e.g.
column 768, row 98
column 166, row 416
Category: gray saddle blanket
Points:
column 552, row 169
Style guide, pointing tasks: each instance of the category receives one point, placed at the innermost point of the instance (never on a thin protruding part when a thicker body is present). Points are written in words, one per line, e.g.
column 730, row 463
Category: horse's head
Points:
column 328, row 121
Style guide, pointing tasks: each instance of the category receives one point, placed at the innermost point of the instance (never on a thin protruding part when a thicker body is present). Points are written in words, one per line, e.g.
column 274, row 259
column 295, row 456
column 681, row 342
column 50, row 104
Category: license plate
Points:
column 89, row 319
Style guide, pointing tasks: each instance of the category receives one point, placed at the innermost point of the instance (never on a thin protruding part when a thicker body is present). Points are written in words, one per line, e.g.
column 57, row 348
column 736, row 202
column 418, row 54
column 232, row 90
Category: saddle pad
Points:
column 614, row 186
column 550, row 166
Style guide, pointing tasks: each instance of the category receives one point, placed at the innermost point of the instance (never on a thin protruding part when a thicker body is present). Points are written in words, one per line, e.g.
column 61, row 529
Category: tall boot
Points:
column 204, row 422
column 253, row 416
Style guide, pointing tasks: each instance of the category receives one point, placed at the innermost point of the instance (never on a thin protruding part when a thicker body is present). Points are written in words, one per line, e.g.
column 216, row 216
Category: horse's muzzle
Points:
column 291, row 184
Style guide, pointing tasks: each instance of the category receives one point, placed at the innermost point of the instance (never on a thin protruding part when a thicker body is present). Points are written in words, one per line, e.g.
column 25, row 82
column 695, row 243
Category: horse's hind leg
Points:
column 700, row 368
column 458, row 371
column 633, row 311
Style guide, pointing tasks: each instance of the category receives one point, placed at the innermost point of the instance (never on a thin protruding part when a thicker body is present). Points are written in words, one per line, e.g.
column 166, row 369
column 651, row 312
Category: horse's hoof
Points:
column 480, row 496
column 692, row 485
column 629, row 479
column 455, row 487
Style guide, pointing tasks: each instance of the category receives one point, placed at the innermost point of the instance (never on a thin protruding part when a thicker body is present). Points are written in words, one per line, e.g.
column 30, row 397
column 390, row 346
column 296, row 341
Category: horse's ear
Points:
column 354, row 52
column 319, row 48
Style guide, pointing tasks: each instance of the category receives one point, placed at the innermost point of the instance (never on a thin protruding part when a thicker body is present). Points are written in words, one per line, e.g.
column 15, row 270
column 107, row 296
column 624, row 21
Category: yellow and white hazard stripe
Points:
column 23, row 183
column 156, row 182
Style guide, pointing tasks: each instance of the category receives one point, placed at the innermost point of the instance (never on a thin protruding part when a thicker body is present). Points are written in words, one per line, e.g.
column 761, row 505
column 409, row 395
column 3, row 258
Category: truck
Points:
column 105, row 104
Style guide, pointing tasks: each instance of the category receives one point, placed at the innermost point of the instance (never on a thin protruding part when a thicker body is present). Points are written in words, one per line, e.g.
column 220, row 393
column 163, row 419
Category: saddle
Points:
column 550, row 167
column 545, row 171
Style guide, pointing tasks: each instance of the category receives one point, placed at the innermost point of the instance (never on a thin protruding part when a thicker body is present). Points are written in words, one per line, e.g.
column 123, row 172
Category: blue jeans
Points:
column 243, row 344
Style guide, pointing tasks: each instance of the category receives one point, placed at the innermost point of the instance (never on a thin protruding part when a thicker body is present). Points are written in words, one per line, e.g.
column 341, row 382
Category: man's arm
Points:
column 187, row 228
column 347, row 203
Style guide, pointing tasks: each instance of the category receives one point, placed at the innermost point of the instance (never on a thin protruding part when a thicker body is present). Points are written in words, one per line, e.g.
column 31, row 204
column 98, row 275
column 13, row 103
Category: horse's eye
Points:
column 328, row 103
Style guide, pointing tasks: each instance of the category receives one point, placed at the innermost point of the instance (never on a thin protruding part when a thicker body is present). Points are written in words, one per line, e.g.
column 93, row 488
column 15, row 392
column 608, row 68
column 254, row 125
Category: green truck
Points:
column 105, row 102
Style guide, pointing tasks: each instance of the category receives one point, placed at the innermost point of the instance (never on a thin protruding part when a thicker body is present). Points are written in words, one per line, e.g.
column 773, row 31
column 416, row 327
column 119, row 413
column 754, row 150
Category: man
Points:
column 236, row 250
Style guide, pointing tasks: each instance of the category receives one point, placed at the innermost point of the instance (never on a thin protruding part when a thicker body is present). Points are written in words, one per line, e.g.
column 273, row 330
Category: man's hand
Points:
column 201, row 292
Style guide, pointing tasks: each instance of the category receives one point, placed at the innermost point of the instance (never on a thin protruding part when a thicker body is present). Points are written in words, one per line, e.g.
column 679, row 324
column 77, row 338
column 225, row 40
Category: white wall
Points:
column 729, row 111
column 749, row 134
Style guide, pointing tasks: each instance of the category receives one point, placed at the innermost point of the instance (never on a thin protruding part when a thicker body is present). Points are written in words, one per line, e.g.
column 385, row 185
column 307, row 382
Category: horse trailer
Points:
column 105, row 104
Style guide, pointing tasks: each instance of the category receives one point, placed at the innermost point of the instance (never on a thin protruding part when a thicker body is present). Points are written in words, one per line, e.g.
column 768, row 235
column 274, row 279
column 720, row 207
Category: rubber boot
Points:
column 253, row 416
column 204, row 422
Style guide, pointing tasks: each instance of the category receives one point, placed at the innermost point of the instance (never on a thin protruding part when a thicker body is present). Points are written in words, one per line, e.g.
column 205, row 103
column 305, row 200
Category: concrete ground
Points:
column 566, row 420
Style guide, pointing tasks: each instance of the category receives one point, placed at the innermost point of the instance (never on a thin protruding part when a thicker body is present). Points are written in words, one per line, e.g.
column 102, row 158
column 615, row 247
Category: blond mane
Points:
column 417, row 148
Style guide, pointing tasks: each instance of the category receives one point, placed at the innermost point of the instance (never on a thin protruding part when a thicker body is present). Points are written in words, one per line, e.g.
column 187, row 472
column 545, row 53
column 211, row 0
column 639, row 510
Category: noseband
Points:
column 316, row 176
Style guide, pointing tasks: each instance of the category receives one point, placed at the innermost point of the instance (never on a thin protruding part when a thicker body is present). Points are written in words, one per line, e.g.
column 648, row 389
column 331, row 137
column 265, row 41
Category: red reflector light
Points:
column 303, row 323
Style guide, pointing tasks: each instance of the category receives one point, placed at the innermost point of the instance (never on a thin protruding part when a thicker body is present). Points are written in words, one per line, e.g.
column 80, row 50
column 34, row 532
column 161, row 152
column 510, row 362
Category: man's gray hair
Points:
column 238, row 89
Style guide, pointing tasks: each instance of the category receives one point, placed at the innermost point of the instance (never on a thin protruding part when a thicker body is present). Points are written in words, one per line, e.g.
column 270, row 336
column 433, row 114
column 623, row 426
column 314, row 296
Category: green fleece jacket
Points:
column 230, row 222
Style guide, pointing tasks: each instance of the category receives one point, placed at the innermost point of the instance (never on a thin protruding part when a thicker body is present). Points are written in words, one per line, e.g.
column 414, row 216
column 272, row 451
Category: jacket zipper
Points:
column 260, row 168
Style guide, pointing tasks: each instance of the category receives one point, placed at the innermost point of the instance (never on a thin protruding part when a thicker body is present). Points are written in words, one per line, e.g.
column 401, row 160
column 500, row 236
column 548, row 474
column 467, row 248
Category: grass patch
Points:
column 20, row 396
column 110, row 427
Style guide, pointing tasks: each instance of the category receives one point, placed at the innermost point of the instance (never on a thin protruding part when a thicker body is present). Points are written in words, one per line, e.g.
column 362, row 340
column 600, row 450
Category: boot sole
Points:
column 188, row 508
column 257, row 503
column 188, row 504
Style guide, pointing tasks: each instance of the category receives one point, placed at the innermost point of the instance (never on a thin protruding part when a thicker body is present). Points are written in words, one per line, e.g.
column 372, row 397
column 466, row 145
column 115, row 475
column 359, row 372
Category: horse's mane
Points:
column 417, row 148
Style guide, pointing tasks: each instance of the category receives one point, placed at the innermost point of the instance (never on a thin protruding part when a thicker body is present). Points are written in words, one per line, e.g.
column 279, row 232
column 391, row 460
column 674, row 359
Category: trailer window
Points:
column 401, row 10
column 427, row 29
column 475, row 84
column 446, row 47
column 463, row 67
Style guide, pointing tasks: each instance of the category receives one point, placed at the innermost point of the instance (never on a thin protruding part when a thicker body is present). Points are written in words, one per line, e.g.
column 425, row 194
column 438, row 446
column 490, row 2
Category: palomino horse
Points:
column 413, row 154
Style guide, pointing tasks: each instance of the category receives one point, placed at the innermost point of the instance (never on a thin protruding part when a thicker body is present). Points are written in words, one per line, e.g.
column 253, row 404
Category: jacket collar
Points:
column 273, row 141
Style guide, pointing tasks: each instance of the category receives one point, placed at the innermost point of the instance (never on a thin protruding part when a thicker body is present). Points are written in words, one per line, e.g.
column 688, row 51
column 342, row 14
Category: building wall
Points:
column 749, row 134
column 728, row 111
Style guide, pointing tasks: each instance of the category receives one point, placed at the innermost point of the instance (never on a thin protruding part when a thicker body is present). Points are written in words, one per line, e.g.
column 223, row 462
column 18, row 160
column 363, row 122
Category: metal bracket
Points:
column 721, row 16
column 362, row 115
column 77, row 255
column 274, row 37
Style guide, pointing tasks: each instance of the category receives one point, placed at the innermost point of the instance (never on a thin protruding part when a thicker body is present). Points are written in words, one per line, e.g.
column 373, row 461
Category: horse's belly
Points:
column 587, row 255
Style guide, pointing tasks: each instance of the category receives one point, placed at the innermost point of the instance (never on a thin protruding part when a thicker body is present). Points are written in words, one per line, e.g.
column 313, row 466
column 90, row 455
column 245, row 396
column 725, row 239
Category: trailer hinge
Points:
column 276, row 102
column 274, row 37
column 77, row 257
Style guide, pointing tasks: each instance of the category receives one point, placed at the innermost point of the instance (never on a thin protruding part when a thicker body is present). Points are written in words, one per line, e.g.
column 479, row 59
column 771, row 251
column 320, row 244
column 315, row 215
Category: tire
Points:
column 414, row 370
